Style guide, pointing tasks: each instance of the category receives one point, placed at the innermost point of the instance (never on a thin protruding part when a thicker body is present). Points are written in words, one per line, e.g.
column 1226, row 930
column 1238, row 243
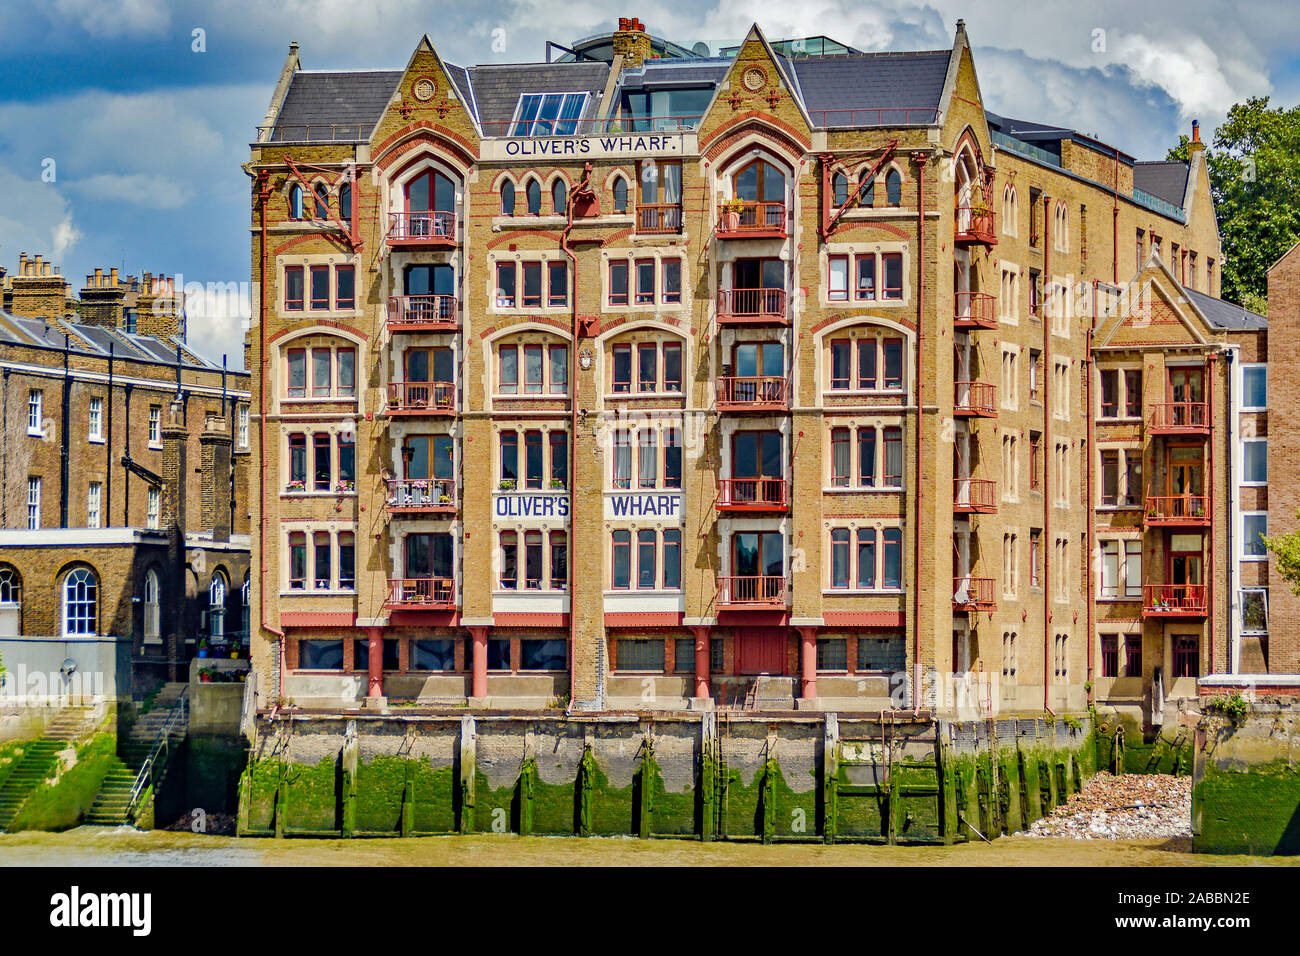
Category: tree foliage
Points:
column 1254, row 168
column 1286, row 552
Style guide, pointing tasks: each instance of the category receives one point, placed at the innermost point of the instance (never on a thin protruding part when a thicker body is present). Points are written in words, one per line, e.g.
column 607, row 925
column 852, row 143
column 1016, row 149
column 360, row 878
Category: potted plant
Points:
column 507, row 484
column 203, row 648
column 344, row 486
column 234, row 652
column 444, row 499
column 205, row 676
column 731, row 214
column 297, row 485
column 557, row 484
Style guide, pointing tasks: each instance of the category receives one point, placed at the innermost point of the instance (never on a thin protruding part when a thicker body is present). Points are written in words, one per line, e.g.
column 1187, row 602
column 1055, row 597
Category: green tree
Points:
column 1286, row 549
column 1254, row 167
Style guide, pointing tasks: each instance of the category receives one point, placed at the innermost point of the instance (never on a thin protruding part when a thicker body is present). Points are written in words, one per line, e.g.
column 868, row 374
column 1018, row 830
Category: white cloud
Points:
column 35, row 218
column 153, row 192
column 1189, row 71
column 114, row 18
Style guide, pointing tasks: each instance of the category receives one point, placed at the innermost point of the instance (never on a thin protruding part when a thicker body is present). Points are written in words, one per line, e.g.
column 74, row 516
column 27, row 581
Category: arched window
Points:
column 431, row 204
column 245, row 595
column 80, row 602
column 533, row 192
column 893, row 187
column 620, row 194
column 507, row 198
column 1009, row 211
column 839, row 189
column 152, row 622
column 11, row 599
column 560, row 196
column 295, row 201
column 322, row 201
column 217, row 606
column 345, row 203
column 867, row 192
column 760, row 181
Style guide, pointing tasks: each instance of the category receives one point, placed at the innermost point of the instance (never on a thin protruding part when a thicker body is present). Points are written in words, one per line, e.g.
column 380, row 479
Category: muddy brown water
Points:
column 98, row 846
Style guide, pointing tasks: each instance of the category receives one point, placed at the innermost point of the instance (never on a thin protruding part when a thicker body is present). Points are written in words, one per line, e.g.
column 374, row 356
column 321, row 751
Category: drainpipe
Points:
column 920, row 160
column 263, row 194
column 126, row 472
column 4, row 454
column 1047, row 456
column 106, row 507
column 65, row 446
column 582, row 188
column 1087, row 391
column 1234, row 509
column 1209, row 571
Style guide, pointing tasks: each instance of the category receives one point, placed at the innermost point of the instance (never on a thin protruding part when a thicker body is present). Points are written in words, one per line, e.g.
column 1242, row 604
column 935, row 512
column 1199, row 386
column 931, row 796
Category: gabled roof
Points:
column 96, row 340
column 1165, row 180
column 873, row 81
column 319, row 103
column 1226, row 315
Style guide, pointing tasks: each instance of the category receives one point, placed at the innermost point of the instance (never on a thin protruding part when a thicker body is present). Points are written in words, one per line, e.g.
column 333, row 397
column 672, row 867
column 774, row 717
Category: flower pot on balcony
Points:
column 731, row 221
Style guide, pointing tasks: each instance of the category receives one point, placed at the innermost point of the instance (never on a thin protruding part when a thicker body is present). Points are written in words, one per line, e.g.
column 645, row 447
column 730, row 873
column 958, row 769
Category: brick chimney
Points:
column 1196, row 145
column 632, row 42
column 36, row 291
column 103, row 300
column 214, row 454
column 172, row 520
column 160, row 310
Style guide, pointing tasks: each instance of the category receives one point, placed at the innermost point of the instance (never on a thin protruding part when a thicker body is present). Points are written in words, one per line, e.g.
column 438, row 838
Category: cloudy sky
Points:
column 120, row 144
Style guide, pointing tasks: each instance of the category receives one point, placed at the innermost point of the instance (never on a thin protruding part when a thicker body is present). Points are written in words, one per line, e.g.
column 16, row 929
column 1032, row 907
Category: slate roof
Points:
column 885, row 82
column 1165, row 180
column 1027, row 131
column 1226, row 315
column 497, row 88
column 334, row 106
column 95, row 340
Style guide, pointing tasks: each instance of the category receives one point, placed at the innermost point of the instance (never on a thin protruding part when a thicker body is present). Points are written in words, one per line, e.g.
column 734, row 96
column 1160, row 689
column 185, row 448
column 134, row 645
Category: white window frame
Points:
column 36, row 413
column 155, row 426
column 532, row 124
column 94, row 498
column 1245, row 555
column 95, row 420
column 241, row 418
column 1250, row 367
column 80, row 616
column 1253, row 483
column 33, row 504
column 1242, row 610
column 152, row 617
column 153, row 509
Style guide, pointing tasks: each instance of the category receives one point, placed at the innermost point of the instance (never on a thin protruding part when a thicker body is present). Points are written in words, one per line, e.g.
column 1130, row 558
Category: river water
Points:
column 100, row 846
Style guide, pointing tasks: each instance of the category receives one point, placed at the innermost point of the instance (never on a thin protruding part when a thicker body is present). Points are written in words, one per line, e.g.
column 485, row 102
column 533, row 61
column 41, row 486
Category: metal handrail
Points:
column 145, row 778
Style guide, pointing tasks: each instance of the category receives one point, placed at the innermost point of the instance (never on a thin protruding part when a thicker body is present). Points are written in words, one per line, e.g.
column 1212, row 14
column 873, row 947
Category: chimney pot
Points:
column 1196, row 131
column 113, row 277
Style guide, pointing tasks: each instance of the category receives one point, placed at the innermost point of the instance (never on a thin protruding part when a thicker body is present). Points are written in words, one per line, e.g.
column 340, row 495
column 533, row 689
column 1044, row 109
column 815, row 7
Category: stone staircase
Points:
column 71, row 724
column 110, row 806
column 34, row 767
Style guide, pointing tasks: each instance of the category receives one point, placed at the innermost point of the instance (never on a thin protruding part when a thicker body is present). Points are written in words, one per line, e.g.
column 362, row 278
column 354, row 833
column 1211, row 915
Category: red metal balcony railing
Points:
column 975, row 310
column 753, row 494
column 422, row 228
column 975, row 400
column 752, row 219
column 752, row 305
column 1177, row 510
column 422, row 398
column 743, row 393
column 419, row 313
column 658, row 218
column 974, row 496
column 753, row 591
column 1180, row 418
column 973, row 594
column 422, row 593
column 1174, row 600
column 974, row 224
column 421, row 495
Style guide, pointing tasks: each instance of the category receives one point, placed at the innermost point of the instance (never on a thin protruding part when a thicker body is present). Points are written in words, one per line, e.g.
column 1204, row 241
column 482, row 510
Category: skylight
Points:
column 548, row 114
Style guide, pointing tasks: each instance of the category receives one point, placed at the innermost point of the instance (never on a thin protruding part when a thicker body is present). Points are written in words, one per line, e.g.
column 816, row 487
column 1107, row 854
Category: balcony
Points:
column 421, row 398
column 423, row 313
column 1174, row 600
column 416, row 496
column 974, row 226
column 655, row 219
column 751, row 306
column 420, row 230
column 753, row 494
column 752, row 593
column 422, row 594
column 761, row 393
column 745, row 219
column 974, row 400
column 1177, row 511
column 974, row 496
column 1180, row 418
column 975, row 310
column 973, row 594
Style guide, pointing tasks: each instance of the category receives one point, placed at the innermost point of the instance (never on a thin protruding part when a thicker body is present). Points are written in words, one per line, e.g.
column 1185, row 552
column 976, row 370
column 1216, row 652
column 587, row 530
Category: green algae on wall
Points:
column 1248, row 810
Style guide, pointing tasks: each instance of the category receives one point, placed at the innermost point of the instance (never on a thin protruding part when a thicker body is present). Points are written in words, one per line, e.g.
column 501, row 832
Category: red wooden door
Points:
column 761, row 650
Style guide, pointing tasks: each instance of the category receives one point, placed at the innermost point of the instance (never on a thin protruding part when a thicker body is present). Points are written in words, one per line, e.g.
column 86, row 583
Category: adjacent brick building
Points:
column 123, row 474
column 649, row 379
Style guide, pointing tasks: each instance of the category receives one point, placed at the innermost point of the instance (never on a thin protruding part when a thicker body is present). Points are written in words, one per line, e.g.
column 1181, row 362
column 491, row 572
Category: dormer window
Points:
column 548, row 114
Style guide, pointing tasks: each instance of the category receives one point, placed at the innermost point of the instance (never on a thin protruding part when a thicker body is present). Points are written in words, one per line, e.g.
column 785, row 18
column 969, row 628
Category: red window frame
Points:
column 531, row 386
column 509, row 546
column 507, row 386
column 645, row 267
column 617, row 267
column 1109, row 406
column 292, row 304
column 892, row 382
column 534, row 553
column 887, row 291
column 858, row 263
column 672, row 281
column 554, row 270
column 869, row 346
column 319, row 304
column 672, row 384
column 841, row 437
column 1035, row 465
column 621, row 386
column 893, row 435
column 345, row 391
column 532, row 270
column 559, row 542
column 295, row 391
column 620, row 539
column 843, row 382
column 508, row 445
column 502, row 300
column 557, row 386
column 651, row 349
column 832, row 294
column 559, row 448
column 533, row 440
column 298, row 544
column 349, row 302
column 841, row 542
column 322, row 389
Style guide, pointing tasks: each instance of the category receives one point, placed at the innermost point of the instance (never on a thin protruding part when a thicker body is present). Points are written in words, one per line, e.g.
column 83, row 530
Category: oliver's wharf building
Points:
column 787, row 378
